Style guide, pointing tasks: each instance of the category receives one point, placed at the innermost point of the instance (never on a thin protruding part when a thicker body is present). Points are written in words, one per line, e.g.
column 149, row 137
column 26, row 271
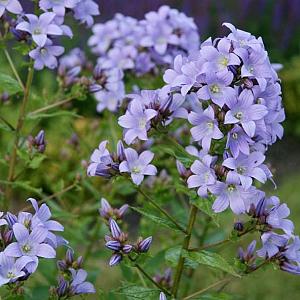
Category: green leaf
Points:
column 158, row 220
column 9, row 85
column 215, row 296
column 24, row 185
column 211, row 259
column 133, row 292
column 63, row 113
column 205, row 205
column 172, row 256
column 5, row 127
column 36, row 161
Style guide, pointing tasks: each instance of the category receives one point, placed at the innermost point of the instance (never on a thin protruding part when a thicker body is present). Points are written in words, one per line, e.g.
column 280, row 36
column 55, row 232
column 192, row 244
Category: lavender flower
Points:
column 245, row 112
column 272, row 242
column 12, row 6
column 136, row 121
column 162, row 296
column 217, row 88
column 40, row 27
column 30, row 244
column 246, row 168
column 11, row 268
column 85, row 10
column 138, row 165
column 46, row 56
column 233, row 194
column 58, row 7
column 204, row 175
column 79, row 285
column 206, row 127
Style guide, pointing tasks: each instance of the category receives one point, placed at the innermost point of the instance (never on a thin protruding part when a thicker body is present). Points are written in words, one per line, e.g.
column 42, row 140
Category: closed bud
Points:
column 144, row 245
column 127, row 248
column 69, row 256
column 79, row 261
column 238, row 226
column 248, row 83
column 115, row 259
column 62, row 288
column 11, row 219
column 62, row 266
column 8, row 237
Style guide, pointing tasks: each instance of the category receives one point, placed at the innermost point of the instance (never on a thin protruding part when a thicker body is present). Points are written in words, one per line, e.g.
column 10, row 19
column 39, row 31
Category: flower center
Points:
column 235, row 136
column 37, row 31
column 251, row 70
column 26, row 248
column 161, row 41
column 142, row 123
column 10, row 274
column 26, row 223
column 214, row 89
column 231, row 188
column 239, row 115
column 210, row 124
column 44, row 51
column 224, row 61
column 241, row 170
column 136, row 170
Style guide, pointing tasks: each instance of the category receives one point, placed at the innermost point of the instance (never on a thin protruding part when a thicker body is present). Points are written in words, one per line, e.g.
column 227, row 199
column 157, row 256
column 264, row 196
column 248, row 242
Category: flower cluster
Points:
column 117, row 241
column 125, row 44
column 107, row 165
column 41, row 29
column 25, row 238
column 230, row 94
column 72, row 280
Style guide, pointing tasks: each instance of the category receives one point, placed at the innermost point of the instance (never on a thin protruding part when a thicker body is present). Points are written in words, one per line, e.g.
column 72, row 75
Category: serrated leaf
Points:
column 211, row 259
column 158, row 220
column 52, row 115
column 133, row 292
column 9, row 85
column 172, row 256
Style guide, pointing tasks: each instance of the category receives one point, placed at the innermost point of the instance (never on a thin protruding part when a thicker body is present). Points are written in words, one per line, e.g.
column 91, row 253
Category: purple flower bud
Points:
column 260, row 207
column 144, row 245
column 122, row 210
column 162, row 296
column 69, row 256
column 115, row 259
column 62, row 266
column 79, row 261
column 248, row 83
column 4, row 97
column 11, row 219
column 114, row 228
column 127, row 248
column 8, row 237
column 181, row 168
column 238, row 226
column 62, row 287
column 113, row 245
column 120, row 151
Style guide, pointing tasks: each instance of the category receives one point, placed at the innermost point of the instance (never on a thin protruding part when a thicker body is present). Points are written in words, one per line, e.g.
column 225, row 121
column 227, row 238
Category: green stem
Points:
column 7, row 123
column 150, row 278
column 207, row 288
column 53, row 105
column 20, row 122
column 185, row 246
column 13, row 68
column 180, row 227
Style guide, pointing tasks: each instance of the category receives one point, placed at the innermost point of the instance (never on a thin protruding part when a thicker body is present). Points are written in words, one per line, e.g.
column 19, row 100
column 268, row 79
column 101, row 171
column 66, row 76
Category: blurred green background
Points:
column 278, row 23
